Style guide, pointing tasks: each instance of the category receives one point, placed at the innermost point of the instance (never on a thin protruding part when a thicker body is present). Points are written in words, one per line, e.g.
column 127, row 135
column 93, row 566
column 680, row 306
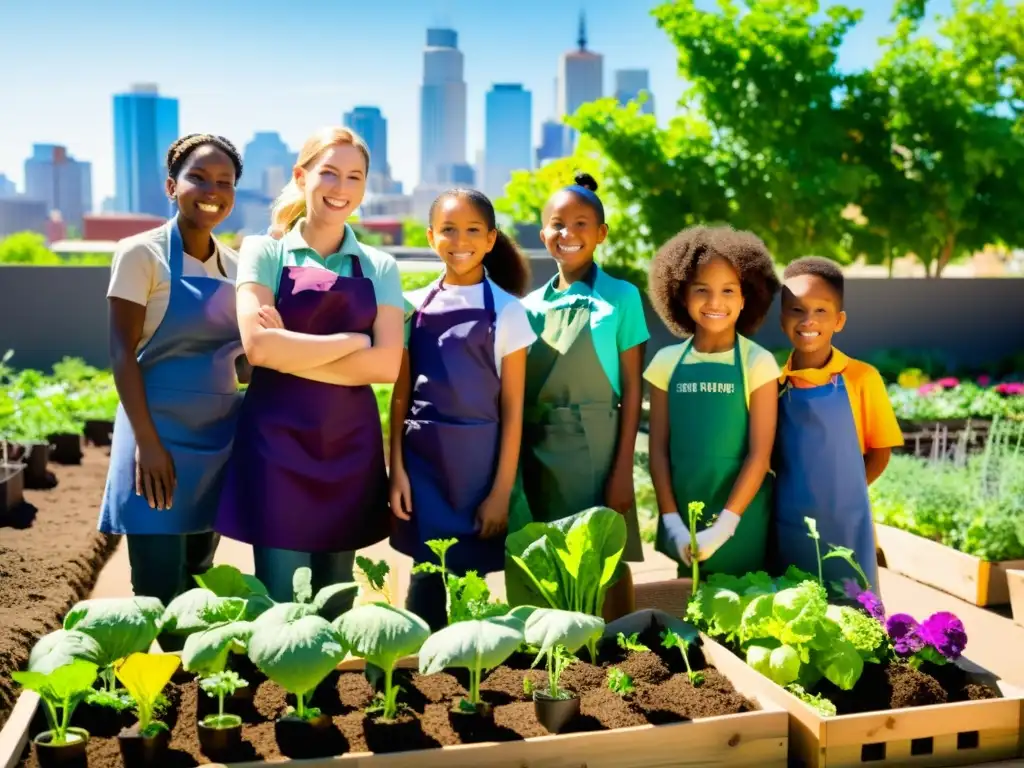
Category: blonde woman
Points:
column 321, row 318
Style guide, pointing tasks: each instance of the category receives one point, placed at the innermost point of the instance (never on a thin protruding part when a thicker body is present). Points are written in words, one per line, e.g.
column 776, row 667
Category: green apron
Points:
column 708, row 442
column 570, row 423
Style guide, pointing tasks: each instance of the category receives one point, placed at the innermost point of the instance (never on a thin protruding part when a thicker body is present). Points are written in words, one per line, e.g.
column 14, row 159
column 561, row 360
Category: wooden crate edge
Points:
column 14, row 735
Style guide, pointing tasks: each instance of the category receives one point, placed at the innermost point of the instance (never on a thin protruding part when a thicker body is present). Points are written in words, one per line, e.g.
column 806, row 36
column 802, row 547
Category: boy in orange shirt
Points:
column 836, row 430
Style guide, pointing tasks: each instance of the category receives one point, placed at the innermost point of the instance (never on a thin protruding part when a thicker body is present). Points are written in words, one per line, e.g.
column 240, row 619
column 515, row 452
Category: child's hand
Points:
column 401, row 494
column 713, row 537
column 619, row 493
column 270, row 317
column 492, row 516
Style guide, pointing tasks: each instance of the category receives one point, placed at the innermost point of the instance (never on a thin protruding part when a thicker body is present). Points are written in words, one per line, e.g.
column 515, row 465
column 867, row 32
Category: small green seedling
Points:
column 220, row 685
column 559, row 659
column 812, row 531
column 631, row 643
column 671, row 639
column 60, row 690
column 619, row 682
column 376, row 574
column 694, row 510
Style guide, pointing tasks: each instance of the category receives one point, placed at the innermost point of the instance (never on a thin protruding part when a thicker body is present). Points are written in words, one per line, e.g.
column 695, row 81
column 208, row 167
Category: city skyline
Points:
column 503, row 44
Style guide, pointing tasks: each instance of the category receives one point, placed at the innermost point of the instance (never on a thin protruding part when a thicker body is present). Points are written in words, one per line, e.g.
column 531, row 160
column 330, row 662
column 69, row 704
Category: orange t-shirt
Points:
column 872, row 412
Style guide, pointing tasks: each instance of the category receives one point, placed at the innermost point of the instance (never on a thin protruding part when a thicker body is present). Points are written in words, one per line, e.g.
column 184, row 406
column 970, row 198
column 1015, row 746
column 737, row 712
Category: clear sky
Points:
column 238, row 66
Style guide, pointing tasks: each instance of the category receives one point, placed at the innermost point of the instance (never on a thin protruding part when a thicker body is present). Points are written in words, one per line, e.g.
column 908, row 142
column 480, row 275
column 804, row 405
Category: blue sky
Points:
column 238, row 66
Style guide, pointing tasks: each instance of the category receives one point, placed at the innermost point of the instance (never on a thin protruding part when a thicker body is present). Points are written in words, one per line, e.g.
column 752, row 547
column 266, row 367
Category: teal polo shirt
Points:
column 261, row 259
column 617, row 320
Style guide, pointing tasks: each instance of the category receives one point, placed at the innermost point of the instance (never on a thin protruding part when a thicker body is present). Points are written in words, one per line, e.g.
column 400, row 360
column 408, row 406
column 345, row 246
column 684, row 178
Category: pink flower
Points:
column 948, row 383
column 984, row 380
column 927, row 389
column 1010, row 388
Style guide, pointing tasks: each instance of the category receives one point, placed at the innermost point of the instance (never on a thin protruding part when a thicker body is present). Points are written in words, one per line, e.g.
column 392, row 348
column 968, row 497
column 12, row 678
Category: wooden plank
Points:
column 746, row 739
column 1015, row 582
column 14, row 735
column 669, row 596
column 970, row 578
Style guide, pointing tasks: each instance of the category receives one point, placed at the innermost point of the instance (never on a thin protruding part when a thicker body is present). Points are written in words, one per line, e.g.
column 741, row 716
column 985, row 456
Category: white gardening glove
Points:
column 712, row 537
column 678, row 533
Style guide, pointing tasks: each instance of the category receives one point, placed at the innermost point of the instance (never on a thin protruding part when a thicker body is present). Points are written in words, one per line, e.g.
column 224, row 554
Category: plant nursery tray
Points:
column 956, row 734
column 977, row 581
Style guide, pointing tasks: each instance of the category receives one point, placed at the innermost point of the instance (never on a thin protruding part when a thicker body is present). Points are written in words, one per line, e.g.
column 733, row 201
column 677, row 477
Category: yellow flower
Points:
column 912, row 378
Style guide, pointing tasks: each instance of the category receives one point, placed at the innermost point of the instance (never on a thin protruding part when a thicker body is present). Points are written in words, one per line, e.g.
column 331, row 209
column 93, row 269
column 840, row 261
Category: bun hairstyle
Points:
column 506, row 265
column 181, row 149
column 290, row 205
column 585, row 188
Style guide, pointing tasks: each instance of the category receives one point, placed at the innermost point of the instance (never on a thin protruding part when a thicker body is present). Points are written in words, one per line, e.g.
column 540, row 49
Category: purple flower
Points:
column 872, row 603
column 904, row 631
column 945, row 632
column 851, row 588
column 984, row 380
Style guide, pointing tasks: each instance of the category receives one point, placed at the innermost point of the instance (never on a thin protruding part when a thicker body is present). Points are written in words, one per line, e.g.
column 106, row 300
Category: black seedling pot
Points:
column 66, row 448
column 98, row 432
column 299, row 738
column 12, row 486
column 555, row 714
column 70, row 755
column 139, row 751
column 220, row 743
column 35, row 458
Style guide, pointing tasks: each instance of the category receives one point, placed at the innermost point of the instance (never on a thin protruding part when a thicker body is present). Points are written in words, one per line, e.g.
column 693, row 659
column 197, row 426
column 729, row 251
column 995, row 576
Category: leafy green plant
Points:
column 567, row 564
column 557, row 635
column 619, row 682
column 206, row 652
column 631, row 643
column 228, row 581
column 199, row 609
column 382, row 634
column 671, row 638
column 475, row 645
column 61, row 690
column 820, row 704
column 61, row 647
column 305, row 603
column 219, row 685
column 144, row 676
column 297, row 650
column 466, row 597
column 376, row 575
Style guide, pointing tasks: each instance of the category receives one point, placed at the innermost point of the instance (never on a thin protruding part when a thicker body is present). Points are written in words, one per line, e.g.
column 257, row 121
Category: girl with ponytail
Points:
column 457, row 407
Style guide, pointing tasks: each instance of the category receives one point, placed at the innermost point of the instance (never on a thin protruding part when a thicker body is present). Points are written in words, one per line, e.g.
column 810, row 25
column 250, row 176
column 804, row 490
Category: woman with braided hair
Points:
column 174, row 342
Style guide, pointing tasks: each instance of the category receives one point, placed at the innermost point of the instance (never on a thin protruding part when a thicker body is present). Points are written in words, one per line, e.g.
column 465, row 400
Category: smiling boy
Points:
column 836, row 429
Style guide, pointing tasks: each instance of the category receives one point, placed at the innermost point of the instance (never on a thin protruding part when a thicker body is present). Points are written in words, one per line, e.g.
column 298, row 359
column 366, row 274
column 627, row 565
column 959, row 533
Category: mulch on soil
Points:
column 50, row 555
column 663, row 695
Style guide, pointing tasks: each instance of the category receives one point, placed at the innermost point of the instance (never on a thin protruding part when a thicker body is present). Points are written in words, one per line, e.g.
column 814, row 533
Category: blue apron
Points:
column 452, row 434
column 820, row 474
column 188, row 370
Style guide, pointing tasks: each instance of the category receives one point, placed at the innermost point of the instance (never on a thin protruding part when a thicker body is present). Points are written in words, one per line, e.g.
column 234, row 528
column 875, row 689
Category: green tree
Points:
column 27, row 248
column 414, row 234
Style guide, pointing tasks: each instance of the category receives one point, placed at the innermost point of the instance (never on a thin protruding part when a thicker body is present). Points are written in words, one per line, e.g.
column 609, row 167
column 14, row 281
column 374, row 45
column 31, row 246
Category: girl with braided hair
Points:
column 174, row 344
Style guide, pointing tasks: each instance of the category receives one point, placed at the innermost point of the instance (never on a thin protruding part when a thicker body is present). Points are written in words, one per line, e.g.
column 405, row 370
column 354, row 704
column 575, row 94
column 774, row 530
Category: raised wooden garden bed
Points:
column 1015, row 580
column 952, row 734
column 979, row 582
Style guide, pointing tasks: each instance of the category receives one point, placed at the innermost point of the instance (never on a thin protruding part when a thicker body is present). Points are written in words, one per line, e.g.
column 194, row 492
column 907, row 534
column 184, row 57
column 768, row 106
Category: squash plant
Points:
column 557, row 635
column 382, row 634
column 61, row 689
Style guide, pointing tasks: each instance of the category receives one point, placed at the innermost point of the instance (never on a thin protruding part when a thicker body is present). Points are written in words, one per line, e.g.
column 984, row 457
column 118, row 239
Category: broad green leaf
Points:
column 841, row 664
column 547, row 628
column 121, row 625
column 382, row 634
column 199, row 609
column 474, row 645
column 282, row 613
column 61, row 683
column 296, row 654
column 333, row 590
column 207, row 652
column 63, row 647
column 145, row 675
column 228, row 581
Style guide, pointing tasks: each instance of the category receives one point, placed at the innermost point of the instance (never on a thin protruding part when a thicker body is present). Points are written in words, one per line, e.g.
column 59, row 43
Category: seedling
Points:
column 619, row 682
column 631, row 643
column 144, row 675
column 376, row 574
column 694, row 511
column 220, row 685
column 672, row 639
column 466, row 597
column 61, row 691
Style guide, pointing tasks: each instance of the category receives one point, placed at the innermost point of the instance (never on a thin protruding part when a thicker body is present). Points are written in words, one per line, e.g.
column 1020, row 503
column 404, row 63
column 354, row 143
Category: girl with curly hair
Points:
column 713, row 397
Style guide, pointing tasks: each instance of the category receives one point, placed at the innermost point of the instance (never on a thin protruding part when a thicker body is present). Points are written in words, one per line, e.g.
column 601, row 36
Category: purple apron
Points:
column 311, row 454
column 452, row 433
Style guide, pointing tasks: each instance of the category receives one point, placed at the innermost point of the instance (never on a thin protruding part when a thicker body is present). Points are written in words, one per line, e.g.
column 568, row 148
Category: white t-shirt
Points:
column 141, row 273
column 512, row 330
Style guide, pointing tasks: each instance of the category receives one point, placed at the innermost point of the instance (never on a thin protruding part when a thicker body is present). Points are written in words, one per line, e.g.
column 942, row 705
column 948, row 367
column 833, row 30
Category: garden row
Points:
column 743, row 671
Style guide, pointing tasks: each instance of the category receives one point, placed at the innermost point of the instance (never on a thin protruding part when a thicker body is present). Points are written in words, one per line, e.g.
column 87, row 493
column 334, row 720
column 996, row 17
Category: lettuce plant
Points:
column 296, row 650
column 567, row 564
column 383, row 634
column 145, row 675
column 557, row 635
column 476, row 645
column 61, row 689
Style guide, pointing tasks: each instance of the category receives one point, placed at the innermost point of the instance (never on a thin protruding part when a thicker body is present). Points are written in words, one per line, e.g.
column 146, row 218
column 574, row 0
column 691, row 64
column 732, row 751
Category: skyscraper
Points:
column 371, row 125
column 145, row 125
column 7, row 188
column 552, row 142
column 267, row 164
column 60, row 181
column 442, row 108
column 507, row 145
column 628, row 85
column 580, row 80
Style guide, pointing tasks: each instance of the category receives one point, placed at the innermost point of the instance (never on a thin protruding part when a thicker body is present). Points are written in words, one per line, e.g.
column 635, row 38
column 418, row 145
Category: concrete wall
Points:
column 49, row 312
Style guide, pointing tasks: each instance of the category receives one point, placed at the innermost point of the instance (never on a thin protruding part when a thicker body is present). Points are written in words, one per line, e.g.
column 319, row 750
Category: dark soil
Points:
column 898, row 686
column 50, row 555
column 662, row 696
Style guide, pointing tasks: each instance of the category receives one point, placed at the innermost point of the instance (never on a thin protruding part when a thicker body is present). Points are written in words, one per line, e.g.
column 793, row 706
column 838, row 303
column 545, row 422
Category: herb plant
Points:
column 376, row 574
column 619, row 682
column 219, row 685
column 466, row 597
